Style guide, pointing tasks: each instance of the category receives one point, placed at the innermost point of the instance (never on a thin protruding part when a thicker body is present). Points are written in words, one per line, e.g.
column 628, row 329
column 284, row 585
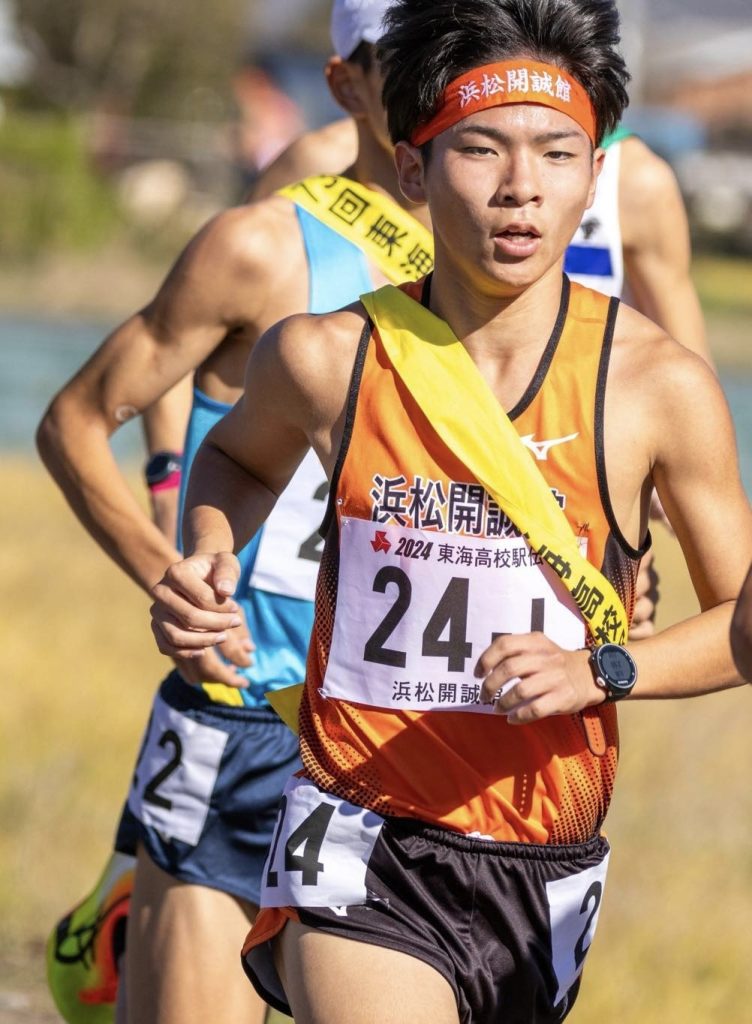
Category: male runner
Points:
column 633, row 239
column 214, row 759
column 440, row 856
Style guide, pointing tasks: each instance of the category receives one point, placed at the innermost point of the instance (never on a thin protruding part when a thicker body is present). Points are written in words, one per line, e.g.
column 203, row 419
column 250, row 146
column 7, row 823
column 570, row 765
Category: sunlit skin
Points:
column 506, row 188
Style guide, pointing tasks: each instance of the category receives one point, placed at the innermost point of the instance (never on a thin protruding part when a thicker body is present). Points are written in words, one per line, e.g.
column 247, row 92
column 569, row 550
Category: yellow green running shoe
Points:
column 86, row 946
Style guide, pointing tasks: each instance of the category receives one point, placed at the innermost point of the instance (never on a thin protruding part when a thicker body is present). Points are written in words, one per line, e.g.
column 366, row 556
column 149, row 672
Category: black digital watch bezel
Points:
column 619, row 686
column 161, row 465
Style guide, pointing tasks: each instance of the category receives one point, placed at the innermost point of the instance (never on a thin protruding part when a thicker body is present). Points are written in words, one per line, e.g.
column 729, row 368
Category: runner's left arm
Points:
column 164, row 424
column 696, row 474
column 695, row 470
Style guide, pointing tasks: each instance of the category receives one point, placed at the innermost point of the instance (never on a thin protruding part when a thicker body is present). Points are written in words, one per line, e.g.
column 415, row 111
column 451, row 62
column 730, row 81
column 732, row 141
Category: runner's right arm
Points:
column 148, row 354
column 295, row 396
column 657, row 251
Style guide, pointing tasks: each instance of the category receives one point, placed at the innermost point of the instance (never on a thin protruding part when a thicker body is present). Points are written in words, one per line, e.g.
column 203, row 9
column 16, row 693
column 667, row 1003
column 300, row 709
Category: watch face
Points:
column 160, row 466
column 616, row 664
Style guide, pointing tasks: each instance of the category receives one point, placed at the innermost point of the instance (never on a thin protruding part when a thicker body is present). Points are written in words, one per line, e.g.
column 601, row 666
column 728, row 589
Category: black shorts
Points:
column 205, row 792
column 507, row 924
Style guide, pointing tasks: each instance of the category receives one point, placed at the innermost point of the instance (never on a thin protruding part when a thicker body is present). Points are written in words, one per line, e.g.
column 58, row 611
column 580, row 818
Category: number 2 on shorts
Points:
column 176, row 773
column 574, row 903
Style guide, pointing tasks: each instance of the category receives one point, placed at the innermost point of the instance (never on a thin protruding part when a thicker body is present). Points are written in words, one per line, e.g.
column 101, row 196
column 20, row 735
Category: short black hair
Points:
column 429, row 43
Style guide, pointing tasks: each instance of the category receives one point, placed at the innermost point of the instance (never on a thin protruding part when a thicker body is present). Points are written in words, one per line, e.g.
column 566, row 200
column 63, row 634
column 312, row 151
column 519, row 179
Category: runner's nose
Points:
column 520, row 184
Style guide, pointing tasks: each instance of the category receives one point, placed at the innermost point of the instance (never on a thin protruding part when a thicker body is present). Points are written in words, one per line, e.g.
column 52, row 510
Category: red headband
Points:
column 509, row 81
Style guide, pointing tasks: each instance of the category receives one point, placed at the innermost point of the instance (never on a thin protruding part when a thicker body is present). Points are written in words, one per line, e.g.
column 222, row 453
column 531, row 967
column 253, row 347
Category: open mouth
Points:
column 518, row 240
column 523, row 234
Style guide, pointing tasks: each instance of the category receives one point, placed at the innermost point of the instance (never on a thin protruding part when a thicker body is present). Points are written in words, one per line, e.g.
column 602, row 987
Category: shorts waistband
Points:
column 406, row 828
column 184, row 696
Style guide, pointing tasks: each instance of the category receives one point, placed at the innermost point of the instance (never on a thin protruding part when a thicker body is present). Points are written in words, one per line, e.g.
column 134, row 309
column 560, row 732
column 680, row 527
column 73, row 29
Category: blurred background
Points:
column 124, row 125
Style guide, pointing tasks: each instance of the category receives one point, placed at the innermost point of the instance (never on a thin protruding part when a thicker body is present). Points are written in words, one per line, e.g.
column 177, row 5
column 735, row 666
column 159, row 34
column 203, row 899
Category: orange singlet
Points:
column 421, row 569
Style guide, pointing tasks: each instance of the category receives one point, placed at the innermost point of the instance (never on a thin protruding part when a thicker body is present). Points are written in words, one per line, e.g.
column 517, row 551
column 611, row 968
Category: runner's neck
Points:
column 495, row 326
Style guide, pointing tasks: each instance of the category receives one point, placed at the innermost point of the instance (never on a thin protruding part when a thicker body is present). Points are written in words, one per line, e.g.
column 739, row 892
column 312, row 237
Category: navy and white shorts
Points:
column 206, row 789
column 507, row 924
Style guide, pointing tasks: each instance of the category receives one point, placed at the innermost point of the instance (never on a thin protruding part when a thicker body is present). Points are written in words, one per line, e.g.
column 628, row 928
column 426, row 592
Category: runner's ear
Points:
column 346, row 81
column 410, row 168
column 598, row 158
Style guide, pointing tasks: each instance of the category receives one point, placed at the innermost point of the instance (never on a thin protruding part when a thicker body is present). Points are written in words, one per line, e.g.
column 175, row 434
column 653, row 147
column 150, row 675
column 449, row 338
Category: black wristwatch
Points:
column 614, row 670
column 162, row 465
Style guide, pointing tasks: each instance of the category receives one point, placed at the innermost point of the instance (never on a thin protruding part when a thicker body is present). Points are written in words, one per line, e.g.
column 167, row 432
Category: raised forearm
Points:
column 166, row 420
column 688, row 659
column 225, row 504
column 78, row 456
column 165, row 423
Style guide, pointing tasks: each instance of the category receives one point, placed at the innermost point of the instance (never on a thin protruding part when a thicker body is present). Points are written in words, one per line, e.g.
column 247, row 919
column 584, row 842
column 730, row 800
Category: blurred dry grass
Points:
column 675, row 940
column 80, row 670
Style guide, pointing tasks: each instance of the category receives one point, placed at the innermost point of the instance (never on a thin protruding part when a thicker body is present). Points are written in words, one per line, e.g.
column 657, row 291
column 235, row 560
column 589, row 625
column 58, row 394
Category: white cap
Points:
column 355, row 22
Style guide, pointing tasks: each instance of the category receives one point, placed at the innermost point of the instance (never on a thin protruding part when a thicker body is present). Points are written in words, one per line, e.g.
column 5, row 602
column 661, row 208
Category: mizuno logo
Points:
column 540, row 449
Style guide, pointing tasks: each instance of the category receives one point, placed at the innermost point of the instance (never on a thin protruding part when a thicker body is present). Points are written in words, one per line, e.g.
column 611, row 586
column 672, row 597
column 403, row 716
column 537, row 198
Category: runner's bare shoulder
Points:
column 246, row 238
column 657, row 379
column 238, row 259
column 641, row 347
column 308, row 360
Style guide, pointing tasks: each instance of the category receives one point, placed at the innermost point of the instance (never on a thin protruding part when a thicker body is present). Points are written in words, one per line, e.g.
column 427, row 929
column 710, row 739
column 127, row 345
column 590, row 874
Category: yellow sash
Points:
column 447, row 385
column 222, row 693
column 388, row 235
column 286, row 702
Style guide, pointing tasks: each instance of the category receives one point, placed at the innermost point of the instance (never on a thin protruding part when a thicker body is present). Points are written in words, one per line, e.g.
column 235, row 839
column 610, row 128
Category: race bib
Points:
column 176, row 773
column 320, row 851
column 288, row 556
column 574, row 904
column 416, row 609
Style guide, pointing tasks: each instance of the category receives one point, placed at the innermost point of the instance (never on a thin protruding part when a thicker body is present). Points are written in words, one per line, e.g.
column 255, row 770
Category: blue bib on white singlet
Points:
column 594, row 257
column 279, row 566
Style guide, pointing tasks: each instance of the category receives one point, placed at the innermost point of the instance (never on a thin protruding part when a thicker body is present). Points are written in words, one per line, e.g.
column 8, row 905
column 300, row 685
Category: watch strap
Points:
column 163, row 470
column 595, row 734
